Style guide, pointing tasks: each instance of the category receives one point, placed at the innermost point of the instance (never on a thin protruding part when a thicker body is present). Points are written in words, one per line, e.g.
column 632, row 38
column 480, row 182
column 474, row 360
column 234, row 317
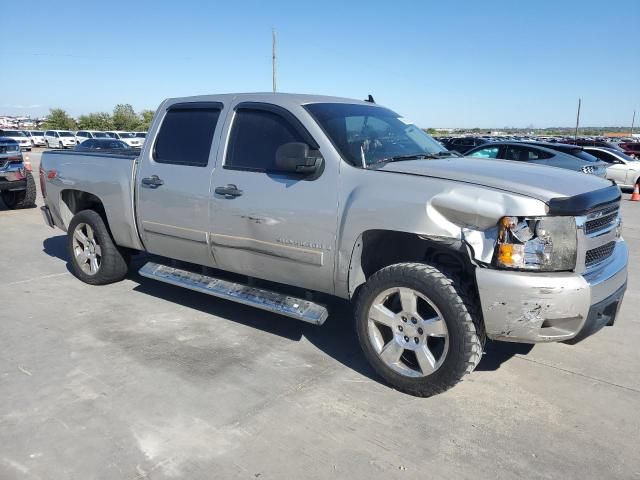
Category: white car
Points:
column 127, row 137
column 622, row 169
column 19, row 136
column 60, row 139
column 83, row 135
column 37, row 137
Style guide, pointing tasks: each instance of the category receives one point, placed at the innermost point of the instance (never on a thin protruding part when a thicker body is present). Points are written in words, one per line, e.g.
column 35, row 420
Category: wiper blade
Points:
column 415, row 156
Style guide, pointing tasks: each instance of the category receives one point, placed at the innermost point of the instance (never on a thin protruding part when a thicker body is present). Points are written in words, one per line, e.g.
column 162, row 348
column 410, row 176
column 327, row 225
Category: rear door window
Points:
column 186, row 135
column 489, row 152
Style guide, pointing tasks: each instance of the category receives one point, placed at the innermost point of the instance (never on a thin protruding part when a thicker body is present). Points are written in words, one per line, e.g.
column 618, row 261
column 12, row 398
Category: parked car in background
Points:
column 37, row 138
column 541, row 154
column 17, row 186
column 631, row 148
column 464, row 144
column 622, row 168
column 127, row 137
column 104, row 144
column 584, row 142
column 19, row 136
column 82, row 135
column 60, row 139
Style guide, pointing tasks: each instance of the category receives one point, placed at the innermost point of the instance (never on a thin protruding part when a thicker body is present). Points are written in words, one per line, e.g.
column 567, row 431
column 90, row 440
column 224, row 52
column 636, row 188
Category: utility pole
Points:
column 575, row 136
column 633, row 121
column 273, row 58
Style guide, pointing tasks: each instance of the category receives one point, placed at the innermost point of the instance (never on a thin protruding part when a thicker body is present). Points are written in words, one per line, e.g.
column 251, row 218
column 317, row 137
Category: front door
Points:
column 173, row 183
column 268, row 224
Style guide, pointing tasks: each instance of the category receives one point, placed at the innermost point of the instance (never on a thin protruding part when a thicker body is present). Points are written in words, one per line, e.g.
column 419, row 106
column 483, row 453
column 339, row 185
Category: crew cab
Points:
column 309, row 195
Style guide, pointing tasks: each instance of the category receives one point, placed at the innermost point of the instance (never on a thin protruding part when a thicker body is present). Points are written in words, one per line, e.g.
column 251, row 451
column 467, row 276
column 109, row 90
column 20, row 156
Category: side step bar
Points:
column 255, row 297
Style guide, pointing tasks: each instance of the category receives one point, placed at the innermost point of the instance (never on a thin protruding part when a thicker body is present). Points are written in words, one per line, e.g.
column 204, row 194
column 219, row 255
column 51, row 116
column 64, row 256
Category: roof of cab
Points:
column 267, row 97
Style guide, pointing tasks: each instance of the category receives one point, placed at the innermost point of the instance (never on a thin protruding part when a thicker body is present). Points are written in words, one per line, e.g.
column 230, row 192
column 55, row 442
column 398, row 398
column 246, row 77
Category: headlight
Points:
column 537, row 243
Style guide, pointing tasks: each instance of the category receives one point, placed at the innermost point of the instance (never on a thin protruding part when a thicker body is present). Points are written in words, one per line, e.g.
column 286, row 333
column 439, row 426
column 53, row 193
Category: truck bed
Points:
column 108, row 176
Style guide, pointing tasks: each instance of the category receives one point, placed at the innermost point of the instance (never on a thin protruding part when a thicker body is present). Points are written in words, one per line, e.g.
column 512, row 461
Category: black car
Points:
column 464, row 144
column 559, row 155
column 105, row 144
column 582, row 142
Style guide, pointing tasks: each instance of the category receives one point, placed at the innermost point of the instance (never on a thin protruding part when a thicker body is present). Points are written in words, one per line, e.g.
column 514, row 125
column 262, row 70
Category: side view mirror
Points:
column 295, row 157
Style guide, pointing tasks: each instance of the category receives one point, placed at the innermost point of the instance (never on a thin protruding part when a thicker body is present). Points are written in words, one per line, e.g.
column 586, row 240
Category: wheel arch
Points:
column 376, row 249
column 74, row 201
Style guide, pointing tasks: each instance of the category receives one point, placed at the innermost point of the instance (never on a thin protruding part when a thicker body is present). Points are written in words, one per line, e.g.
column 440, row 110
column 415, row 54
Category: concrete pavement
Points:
column 144, row 380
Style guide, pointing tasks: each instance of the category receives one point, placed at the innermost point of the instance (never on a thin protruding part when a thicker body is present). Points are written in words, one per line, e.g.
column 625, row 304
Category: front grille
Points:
column 3, row 164
column 597, row 255
column 605, row 219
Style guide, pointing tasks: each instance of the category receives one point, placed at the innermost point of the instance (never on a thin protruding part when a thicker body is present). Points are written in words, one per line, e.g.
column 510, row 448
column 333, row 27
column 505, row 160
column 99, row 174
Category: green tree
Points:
column 125, row 118
column 95, row 121
column 58, row 119
column 145, row 119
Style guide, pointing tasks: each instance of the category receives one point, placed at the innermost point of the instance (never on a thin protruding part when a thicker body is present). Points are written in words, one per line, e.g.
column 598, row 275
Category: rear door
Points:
column 172, row 185
column 273, row 225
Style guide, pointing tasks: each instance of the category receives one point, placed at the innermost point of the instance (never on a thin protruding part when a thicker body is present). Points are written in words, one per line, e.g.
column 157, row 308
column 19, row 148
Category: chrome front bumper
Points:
column 549, row 307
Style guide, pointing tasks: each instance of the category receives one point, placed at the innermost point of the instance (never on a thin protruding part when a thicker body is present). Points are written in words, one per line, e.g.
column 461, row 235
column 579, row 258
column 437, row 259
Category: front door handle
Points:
column 229, row 191
column 152, row 182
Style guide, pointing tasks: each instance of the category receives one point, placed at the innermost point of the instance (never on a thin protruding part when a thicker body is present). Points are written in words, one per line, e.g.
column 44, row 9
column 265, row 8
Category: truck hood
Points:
column 536, row 181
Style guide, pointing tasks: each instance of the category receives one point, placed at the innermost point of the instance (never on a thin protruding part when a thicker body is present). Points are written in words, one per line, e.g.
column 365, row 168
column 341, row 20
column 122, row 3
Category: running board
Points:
column 236, row 292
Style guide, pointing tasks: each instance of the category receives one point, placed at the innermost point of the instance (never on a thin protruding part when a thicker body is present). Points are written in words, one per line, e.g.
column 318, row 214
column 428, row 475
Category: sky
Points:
column 440, row 63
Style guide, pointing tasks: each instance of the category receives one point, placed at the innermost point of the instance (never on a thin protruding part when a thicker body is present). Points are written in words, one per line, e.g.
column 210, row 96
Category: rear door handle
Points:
column 152, row 182
column 229, row 191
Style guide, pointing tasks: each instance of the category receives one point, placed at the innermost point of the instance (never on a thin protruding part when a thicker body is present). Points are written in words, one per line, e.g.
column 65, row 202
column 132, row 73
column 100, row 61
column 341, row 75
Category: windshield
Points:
column 126, row 135
column 65, row 134
column 368, row 134
column 141, row 135
column 100, row 135
column 14, row 133
column 37, row 133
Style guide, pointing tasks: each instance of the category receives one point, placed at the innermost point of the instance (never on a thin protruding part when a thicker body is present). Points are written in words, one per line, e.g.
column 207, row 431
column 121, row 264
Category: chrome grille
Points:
column 598, row 254
column 604, row 219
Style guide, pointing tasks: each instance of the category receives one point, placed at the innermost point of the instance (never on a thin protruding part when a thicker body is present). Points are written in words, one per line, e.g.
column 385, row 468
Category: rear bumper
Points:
column 550, row 307
column 47, row 217
column 8, row 185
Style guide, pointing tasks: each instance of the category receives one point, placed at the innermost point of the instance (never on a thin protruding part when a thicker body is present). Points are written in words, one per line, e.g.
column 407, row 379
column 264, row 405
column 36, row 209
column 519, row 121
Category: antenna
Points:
column 273, row 58
column 575, row 136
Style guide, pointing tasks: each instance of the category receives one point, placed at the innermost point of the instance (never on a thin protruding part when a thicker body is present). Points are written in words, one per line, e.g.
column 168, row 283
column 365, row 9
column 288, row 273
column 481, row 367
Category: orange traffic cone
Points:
column 635, row 196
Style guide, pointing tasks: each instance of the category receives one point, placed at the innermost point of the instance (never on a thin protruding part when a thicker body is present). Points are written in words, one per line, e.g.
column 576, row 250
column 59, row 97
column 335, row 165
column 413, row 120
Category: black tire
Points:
column 114, row 263
column 21, row 198
column 456, row 306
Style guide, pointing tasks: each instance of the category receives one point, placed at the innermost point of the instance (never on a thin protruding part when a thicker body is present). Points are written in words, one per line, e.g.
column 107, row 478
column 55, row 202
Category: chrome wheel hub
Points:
column 86, row 249
column 408, row 332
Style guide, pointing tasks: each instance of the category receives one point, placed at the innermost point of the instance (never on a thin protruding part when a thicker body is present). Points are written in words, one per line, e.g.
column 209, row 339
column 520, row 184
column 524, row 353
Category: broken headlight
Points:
column 537, row 243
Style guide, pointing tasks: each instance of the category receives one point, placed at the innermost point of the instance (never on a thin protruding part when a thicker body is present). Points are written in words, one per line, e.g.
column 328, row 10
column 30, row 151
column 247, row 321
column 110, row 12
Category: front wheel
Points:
column 95, row 258
column 415, row 328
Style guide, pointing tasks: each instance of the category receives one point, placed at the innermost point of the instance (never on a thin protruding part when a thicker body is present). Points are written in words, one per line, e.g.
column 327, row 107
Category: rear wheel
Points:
column 415, row 327
column 26, row 198
column 95, row 258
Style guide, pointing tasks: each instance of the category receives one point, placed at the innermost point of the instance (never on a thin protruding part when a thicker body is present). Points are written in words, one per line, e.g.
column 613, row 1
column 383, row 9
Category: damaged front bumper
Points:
column 549, row 307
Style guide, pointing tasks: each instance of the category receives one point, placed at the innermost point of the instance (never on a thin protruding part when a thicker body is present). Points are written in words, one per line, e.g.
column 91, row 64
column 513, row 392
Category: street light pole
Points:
column 575, row 136
column 273, row 58
column 633, row 121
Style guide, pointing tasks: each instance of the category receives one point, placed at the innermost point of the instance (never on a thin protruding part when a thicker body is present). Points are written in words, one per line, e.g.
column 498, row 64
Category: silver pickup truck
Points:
column 347, row 198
